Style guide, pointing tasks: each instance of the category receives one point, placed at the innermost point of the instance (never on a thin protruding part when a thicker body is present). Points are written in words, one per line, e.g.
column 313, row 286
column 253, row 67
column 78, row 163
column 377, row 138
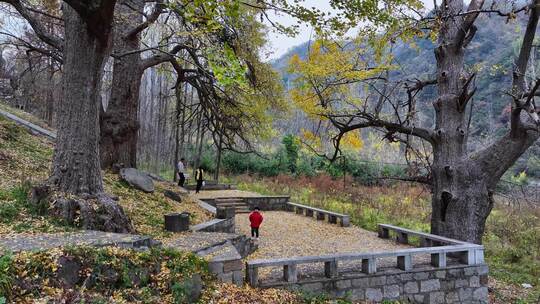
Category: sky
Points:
column 280, row 44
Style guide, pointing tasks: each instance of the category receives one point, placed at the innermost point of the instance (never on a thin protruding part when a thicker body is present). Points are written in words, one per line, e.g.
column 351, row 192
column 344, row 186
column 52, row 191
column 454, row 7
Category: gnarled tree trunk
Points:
column 119, row 122
column 76, row 166
column 463, row 183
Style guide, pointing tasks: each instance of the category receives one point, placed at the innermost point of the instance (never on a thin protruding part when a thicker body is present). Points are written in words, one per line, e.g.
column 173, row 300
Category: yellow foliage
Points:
column 352, row 140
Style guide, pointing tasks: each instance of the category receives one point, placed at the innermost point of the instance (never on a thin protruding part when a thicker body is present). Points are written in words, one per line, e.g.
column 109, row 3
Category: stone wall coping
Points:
column 316, row 209
column 204, row 225
column 361, row 256
column 206, row 206
column 424, row 235
column 29, row 125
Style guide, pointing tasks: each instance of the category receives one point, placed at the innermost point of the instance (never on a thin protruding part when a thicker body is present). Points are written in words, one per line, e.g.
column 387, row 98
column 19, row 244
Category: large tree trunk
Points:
column 461, row 200
column 119, row 122
column 463, row 183
column 76, row 165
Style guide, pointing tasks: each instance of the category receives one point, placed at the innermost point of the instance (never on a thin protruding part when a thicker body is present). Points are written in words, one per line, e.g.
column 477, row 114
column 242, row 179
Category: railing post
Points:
column 290, row 273
column 252, row 274
column 438, row 259
column 424, row 242
column 384, row 233
column 403, row 238
column 404, row 262
column 369, row 265
column 345, row 221
column 330, row 269
column 332, row 219
column 467, row 257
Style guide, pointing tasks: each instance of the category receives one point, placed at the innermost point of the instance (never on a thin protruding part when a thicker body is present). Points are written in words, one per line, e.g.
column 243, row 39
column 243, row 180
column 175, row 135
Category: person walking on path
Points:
column 199, row 178
column 181, row 168
column 255, row 219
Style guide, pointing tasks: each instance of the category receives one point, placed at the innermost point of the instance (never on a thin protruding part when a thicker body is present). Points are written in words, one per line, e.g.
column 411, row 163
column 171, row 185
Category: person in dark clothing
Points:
column 255, row 220
column 199, row 178
column 181, row 168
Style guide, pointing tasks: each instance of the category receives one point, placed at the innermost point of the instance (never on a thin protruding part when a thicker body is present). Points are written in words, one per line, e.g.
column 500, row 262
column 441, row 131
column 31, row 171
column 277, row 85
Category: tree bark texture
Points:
column 76, row 166
column 119, row 122
column 463, row 183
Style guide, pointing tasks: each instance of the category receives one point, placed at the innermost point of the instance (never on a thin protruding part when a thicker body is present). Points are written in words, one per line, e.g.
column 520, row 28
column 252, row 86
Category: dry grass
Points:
column 223, row 193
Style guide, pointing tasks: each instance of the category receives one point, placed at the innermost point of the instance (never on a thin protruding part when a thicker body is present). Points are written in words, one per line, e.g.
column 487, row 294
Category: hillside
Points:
column 490, row 55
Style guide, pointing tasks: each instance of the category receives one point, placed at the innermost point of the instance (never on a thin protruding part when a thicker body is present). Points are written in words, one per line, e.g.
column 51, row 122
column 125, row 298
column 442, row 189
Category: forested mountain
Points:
column 490, row 55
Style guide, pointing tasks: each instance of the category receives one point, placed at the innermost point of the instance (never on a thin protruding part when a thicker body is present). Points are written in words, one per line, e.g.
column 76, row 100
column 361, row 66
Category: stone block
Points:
column 313, row 287
column 226, row 277
column 474, row 281
column 465, row 295
column 421, row 276
column 357, row 295
column 232, row 265
column 455, row 273
column 393, row 279
column 345, row 221
column 452, row 297
column 462, row 283
column 440, row 274
column 377, row 281
column 225, row 212
column 309, row 212
column 360, row 282
column 411, row 287
column 436, row 298
column 320, row 216
column 418, row 298
column 430, row 285
column 480, row 294
column 447, row 284
column 391, row 291
column 374, row 294
column 238, row 277
column 343, row 284
column 407, row 276
column 484, row 280
column 215, row 267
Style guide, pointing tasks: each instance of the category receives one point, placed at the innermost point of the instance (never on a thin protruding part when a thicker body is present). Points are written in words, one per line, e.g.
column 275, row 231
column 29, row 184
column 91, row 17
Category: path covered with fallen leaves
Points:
column 285, row 234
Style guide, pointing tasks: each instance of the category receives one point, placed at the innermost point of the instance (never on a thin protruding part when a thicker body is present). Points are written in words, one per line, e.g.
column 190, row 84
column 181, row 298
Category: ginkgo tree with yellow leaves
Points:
column 347, row 86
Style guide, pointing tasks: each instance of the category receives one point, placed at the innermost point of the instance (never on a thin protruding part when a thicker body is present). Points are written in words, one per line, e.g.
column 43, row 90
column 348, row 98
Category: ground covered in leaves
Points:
column 100, row 275
column 25, row 161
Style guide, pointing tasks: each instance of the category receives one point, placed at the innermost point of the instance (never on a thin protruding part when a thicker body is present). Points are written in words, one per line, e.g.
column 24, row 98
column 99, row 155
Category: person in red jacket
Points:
column 255, row 219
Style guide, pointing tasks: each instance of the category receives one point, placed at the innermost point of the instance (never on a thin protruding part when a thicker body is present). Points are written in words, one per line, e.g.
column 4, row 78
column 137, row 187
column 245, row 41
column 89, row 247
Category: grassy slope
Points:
column 512, row 238
column 25, row 160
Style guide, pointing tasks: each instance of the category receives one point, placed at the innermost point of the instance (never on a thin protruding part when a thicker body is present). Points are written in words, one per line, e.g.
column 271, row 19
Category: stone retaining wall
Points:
column 265, row 203
column 216, row 225
column 454, row 284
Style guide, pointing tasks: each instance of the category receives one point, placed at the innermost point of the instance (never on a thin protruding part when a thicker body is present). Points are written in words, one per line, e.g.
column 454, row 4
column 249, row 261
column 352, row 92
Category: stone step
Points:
column 230, row 204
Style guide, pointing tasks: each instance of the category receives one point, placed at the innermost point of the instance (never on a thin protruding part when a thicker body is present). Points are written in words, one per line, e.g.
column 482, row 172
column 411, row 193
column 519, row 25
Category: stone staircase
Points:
column 239, row 204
